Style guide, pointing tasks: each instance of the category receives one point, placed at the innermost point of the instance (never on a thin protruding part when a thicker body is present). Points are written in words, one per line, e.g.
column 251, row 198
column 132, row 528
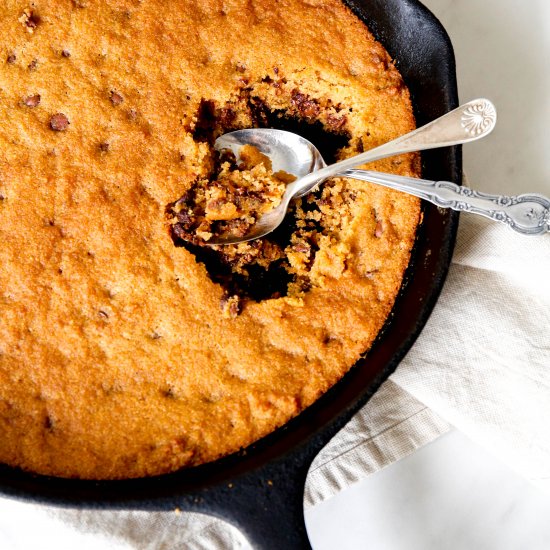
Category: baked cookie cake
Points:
column 129, row 346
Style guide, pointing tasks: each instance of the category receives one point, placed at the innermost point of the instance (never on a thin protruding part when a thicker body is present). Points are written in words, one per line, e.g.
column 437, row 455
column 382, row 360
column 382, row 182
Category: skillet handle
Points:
column 266, row 504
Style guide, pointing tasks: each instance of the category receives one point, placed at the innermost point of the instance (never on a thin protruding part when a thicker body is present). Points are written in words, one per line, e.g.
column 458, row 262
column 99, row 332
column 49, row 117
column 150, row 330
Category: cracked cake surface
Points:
column 128, row 345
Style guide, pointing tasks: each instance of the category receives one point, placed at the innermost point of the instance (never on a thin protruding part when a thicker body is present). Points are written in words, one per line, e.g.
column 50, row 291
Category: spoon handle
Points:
column 466, row 123
column 528, row 214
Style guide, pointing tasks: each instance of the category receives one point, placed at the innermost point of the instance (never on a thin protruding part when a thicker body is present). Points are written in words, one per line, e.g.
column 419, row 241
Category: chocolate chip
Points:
column 242, row 82
column 169, row 393
column 33, row 21
column 188, row 197
column 11, row 59
column 104, row 147
column 49, row 423
column 66, row 53
column 226, row 155
column 184, row 218
column 32, row 101
column 33, row 65
column 336, row 123
column 302, row 247
column 306, row 106
column 179, row 231
column 30, row 19
column 259, row 112
column 116, row 98
column 59, row 122
column 227, row 117
column 234, row 309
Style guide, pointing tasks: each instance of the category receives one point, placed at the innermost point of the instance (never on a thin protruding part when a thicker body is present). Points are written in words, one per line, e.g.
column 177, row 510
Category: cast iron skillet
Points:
column 260, row 490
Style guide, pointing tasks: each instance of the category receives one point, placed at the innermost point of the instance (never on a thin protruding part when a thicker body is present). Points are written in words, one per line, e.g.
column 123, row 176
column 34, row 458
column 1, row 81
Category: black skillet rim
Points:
column 432, row 254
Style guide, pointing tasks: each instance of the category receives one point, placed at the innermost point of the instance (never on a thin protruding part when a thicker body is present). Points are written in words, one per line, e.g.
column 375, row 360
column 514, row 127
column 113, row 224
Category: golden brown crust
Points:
column 116, row 359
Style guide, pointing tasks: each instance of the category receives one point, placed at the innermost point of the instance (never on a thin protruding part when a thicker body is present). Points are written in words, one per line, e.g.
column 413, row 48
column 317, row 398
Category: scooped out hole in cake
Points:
column 237, row 193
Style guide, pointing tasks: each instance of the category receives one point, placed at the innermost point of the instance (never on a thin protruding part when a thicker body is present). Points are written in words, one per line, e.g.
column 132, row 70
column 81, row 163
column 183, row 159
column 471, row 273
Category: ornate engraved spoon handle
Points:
column 528, row 214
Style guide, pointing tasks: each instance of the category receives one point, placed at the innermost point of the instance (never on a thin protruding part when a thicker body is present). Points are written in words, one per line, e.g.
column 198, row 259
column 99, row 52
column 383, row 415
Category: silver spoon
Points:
column 297, row 156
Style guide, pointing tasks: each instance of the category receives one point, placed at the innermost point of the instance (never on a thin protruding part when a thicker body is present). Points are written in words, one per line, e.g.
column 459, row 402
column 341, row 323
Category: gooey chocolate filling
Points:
column 278, row 264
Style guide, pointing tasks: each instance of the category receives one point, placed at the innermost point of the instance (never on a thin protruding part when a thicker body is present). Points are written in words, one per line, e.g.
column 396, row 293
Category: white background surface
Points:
column 451, row 495
column 448, row 495
column 502, row 50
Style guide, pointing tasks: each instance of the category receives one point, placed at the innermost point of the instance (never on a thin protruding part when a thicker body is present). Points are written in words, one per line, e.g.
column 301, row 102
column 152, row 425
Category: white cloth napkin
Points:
column 482, row 364
column 483, row 361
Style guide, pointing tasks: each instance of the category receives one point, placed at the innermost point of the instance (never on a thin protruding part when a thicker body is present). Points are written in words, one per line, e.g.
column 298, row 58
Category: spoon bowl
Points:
column 287, row 151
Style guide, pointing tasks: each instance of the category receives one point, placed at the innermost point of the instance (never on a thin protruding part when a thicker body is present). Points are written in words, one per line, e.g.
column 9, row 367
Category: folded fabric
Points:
column 482, row 364
column 483, row 360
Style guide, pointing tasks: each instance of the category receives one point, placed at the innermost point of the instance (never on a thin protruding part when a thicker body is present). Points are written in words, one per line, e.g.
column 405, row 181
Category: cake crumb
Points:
column 231, row 306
